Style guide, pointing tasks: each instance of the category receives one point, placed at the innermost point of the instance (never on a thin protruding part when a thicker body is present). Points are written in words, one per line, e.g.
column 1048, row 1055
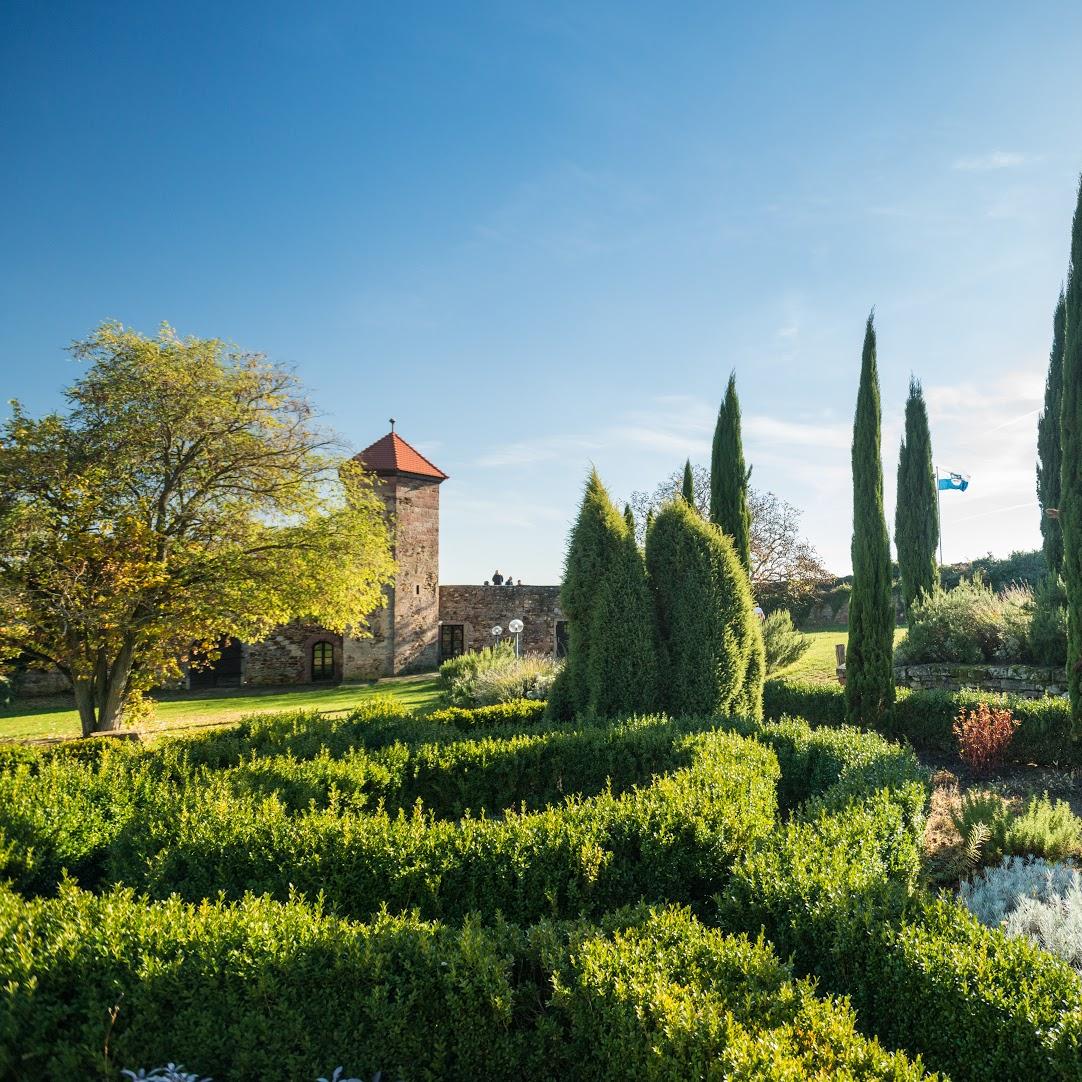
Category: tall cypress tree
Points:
column 1070, row 497
column 1049, row 457
column 622, row 666
column 711, row 645
column 729, row 477
column 869, row 670
column 687, row 489
column 592, row 550
column 916, row 515
column 629, row 518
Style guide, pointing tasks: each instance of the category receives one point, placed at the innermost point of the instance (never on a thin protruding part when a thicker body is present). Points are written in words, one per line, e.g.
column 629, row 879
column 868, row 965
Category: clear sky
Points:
column 541, row 235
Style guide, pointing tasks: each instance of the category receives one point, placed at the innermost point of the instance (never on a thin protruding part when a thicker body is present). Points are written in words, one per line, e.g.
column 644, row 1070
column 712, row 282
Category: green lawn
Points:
column 51, row 717
column 818, row 663
column 179, row 710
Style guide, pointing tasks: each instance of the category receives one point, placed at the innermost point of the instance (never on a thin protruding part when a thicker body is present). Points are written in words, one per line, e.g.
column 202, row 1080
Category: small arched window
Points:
column 322, row 661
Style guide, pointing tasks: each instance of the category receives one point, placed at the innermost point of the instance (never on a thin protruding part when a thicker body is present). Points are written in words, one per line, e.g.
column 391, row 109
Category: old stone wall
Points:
column 480, row 608
column 1030, row 681
column 39, row 683
column 285, row 657
column 372, row 656
column 823, row 615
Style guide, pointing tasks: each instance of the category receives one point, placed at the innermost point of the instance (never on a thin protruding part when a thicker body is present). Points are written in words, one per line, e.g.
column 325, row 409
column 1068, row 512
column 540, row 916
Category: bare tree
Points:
column 778, row 553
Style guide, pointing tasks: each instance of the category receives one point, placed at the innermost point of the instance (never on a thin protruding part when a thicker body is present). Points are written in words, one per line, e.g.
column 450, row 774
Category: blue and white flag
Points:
column 958, row 481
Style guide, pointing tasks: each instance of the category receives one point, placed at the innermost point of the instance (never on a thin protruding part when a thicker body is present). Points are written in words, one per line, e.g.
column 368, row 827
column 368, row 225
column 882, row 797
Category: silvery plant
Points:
column 1031, row 898
column 176, row 1072
column 171, row 1072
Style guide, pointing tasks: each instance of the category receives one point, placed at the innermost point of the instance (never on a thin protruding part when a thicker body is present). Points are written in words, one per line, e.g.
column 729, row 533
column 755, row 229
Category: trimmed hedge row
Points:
column 672, row 840
column 514, row 712
column 241, row 992
column 61, row 804
column 840, row 894
column 925, row 718
column 838, row 766
column 489, row 774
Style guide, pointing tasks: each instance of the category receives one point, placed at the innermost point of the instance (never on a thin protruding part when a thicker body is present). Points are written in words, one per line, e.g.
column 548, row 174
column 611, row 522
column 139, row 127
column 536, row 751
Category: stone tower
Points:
column 405, row 634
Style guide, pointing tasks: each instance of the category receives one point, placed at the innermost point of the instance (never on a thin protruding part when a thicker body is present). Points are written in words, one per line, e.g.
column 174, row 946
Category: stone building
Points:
column 422, row 622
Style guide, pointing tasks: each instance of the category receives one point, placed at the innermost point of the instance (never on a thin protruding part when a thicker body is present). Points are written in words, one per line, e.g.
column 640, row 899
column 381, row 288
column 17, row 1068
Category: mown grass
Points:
column 818, row 663
column 36, row 719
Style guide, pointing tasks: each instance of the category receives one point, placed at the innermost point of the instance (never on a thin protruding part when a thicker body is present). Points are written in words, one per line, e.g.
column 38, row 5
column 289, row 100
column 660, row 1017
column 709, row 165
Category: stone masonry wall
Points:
column 416, row 598
column 1029, row 681
column 285, row 657
column 372, row 656
column 480, row 608
column 38, row 683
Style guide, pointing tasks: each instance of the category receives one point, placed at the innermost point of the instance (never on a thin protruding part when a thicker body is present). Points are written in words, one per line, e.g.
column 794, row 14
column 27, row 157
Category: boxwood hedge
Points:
column 281, row 991
column 517, row 711
column 840, row 893
column 672, row 839
column 925, row 718
column 566, row 825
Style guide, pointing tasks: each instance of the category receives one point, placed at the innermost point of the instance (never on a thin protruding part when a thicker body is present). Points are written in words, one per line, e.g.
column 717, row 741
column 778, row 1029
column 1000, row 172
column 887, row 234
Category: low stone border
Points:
column 1030, row 681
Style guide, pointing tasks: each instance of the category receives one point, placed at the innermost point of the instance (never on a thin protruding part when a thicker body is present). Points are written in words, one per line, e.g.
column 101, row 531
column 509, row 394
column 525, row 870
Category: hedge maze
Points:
column 501, row 897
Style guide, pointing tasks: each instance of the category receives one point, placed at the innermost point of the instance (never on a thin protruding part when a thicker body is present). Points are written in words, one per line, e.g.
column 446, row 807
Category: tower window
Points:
column 418, row 589
column 322, row 661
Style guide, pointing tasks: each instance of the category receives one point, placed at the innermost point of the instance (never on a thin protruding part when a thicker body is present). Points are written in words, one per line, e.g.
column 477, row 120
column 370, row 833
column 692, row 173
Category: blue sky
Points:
column 541, row 235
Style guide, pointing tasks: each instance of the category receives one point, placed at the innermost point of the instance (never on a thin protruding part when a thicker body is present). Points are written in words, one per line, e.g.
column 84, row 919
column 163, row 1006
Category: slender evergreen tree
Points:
column 629, row 518
column 1070, row 496
column 592, row 550
column 710, row 643
column 869, row 671
column 916, row 515
column 622, row 666
column 1049, row 457
column 729, row 477
column 687, row 489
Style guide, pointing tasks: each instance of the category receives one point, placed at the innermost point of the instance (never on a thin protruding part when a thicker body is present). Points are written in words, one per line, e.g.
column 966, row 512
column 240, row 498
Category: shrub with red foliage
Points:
column 983, row 734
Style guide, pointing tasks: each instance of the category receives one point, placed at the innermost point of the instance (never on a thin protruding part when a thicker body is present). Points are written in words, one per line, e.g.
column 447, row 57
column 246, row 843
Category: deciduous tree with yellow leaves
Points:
column 188, row 494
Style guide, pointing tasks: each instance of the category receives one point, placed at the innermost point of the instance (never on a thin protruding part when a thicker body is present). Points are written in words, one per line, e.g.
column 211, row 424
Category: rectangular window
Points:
column 451, row 640
column 561, row 638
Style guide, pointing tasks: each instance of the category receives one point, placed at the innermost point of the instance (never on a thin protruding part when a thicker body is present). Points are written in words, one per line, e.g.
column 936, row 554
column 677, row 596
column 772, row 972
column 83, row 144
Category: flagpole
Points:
column 939, row 512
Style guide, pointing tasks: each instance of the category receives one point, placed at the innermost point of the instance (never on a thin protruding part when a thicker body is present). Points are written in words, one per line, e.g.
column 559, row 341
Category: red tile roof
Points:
column 392, row 454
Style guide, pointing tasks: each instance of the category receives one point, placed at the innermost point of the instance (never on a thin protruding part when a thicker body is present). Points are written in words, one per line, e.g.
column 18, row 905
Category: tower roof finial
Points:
column 392, row 424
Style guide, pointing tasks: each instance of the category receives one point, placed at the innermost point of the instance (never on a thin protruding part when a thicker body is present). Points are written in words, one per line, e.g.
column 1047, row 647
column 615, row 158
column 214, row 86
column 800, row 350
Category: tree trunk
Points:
column 100, row 698
column 114, row 691
column 85, row 702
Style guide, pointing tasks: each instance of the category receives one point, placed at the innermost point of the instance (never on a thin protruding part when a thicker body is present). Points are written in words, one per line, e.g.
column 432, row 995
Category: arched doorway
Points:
column 322, row 661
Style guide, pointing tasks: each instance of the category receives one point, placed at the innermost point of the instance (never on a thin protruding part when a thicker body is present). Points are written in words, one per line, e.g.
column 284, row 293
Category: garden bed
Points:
column 500, row 897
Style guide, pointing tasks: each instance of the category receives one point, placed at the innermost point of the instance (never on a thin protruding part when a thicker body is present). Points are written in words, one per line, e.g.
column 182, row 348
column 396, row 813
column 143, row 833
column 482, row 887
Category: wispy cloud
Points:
column 984, row 163
column 542, row 449
column 989, row 430
column 677, row 425
column 775, row 430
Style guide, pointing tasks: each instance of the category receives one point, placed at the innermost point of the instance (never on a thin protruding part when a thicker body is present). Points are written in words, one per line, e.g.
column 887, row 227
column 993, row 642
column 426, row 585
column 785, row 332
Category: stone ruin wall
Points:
column 285, row 656
column 480, row 608
column 1029, row 681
